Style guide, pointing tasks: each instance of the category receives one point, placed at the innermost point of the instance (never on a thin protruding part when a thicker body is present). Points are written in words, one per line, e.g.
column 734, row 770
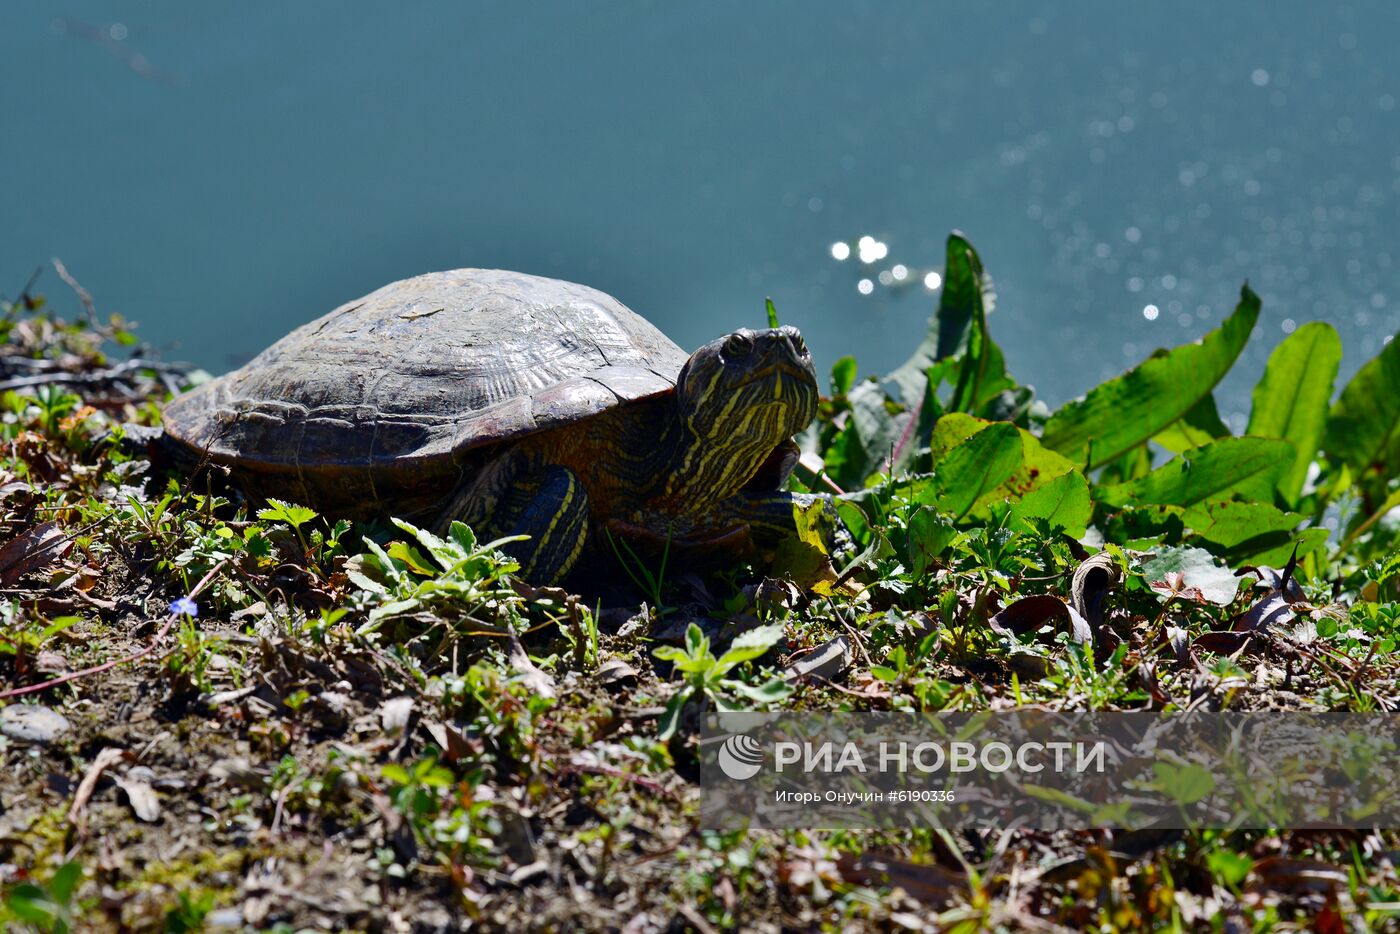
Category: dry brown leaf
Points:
column 34, row 549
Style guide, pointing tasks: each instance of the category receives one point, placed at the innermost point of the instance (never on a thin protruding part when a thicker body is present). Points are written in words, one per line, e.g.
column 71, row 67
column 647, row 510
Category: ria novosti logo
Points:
column 740, row 757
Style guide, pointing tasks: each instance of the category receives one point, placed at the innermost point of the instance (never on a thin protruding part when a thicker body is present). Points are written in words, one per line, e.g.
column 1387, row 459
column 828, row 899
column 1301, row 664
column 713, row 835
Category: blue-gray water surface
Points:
column 223, row 172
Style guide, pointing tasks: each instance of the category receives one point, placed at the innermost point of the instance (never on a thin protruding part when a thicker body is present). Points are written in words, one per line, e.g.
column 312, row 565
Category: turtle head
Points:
column 738, row 398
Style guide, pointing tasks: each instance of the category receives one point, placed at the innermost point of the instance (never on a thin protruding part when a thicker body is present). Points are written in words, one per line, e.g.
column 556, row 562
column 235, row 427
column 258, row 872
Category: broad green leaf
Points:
column 1122, row 413
column 1230, row 524
column 1363, row 429
column 804, row 558
column 1199, row 426
column 1145, row 527
column 843, row 375
column 958, row 325
column 1039, row 465
column 868, row 439
column 1252, row 533
column 1291, row 400
column 979, row 464
column 1273, row 549
column 1199, row 568
column 1244, row 467
column 1063, row 503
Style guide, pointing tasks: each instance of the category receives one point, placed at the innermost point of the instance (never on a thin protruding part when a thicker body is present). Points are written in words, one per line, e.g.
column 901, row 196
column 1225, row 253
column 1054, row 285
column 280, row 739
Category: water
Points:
column 223, row 173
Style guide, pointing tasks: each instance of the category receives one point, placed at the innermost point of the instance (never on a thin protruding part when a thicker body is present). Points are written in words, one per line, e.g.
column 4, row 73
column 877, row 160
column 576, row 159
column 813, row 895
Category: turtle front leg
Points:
column 511, row 496
column 550, row 505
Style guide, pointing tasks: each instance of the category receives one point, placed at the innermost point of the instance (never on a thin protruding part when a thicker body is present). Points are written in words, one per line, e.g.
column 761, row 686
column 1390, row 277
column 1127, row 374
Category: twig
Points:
column 694, row 917
column 25, row 300
column 84, row 296
column 109, row 756
column 111, row 374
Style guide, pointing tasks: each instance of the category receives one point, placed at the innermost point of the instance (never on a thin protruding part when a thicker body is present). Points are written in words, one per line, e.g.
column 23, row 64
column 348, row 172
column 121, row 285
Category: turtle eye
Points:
column 738, row 344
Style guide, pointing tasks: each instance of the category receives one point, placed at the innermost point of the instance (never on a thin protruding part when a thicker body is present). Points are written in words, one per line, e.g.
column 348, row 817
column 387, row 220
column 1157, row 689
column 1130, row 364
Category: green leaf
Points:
column 1362, row 428
column 843, row 375
column 750, row 645
column 1063, row 503
column 1145, row 527
column 696, row 642
column 868, row 439
column 1039, row 465
column 768, row 693
column 1127, row 410
column 804, row 557
column 956, row 328
column 415, row 559
column 462, row 536
column 1252, row 533
column 1291, row 400
column 65, row 880
column 671, row 717
column 1199, row 426
column 1230, row 867
column 977, row 465
column 1184, row 784
column 685, row 662
column 290, row 513
column 1230, row 524
column 772, row 312
column 928, row 535
column 1244, row 467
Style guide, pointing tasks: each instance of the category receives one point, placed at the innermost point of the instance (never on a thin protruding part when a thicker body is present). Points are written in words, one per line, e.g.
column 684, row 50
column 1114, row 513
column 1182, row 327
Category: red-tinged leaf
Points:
column 36, row 548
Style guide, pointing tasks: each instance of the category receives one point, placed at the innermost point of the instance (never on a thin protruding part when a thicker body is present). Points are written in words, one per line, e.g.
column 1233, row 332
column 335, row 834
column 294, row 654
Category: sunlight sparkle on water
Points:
column 1150, row 312
column 871, row 250
column 840, row 251
column 932, row 281
column 900, row 272
column 865, row 286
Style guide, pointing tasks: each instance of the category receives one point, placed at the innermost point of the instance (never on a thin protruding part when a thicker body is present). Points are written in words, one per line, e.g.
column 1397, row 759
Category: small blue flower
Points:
column 184, row 607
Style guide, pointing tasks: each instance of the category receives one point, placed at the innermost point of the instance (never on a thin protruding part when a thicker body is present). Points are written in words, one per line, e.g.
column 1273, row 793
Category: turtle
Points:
column 520, row 406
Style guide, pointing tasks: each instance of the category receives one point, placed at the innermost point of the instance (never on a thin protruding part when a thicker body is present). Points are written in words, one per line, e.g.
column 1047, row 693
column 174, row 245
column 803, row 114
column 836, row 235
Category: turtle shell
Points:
column 376, row 406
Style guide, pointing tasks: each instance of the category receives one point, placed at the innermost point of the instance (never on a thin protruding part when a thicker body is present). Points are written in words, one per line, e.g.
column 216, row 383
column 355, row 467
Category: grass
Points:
column 354, row 731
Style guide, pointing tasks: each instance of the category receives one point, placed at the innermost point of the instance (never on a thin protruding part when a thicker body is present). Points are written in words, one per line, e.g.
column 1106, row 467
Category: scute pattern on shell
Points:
column 423, row 370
